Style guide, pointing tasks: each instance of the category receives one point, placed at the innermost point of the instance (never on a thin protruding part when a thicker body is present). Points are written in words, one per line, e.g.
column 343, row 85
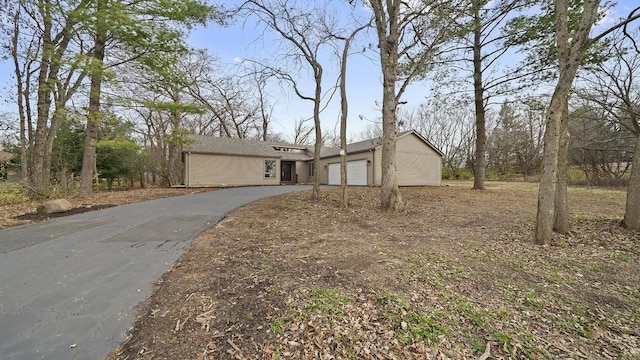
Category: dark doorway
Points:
column 286, row 171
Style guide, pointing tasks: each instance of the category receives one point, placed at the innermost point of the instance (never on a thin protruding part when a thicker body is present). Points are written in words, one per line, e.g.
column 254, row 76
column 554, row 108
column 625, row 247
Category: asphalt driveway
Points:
column 69, row 287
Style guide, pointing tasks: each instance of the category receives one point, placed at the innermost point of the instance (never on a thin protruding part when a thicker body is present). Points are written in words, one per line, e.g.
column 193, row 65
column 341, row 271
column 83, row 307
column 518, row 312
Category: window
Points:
column 269, row 168
column 310, row 172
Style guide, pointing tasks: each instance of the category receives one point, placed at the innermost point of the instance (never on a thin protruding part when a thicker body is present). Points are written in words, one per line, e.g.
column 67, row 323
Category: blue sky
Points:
column 242, row 41
column 247, row 40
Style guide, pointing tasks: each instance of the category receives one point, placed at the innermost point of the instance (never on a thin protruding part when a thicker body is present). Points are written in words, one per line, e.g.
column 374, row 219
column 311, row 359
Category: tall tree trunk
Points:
column 317, row 69
column 265, row 120
column 545, row 217
column 570, row 54
column 43, row 103
column 174, row 163
column 390, row 197
column 479, row 166
column 50, row 63
column 344, row 114
column 22, row 96
column 56, row 118
column 29, row 116
column 93, row 114
column 561, row 222
column 632, row 209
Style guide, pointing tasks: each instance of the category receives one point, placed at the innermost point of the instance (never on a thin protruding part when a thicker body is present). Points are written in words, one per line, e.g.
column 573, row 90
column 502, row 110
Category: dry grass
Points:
column 287, row 278
column 16, row 209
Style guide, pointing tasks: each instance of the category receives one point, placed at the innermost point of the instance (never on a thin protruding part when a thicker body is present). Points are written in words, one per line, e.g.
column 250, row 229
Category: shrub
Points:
column 456, row 174
column 12, row 193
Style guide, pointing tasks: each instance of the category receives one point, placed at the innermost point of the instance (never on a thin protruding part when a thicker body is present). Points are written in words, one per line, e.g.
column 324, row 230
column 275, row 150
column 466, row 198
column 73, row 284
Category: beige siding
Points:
column 186, row 158
column 324, row 164
column 302, row 174
column 222, row 170
column 377, row 166
column 417, row 163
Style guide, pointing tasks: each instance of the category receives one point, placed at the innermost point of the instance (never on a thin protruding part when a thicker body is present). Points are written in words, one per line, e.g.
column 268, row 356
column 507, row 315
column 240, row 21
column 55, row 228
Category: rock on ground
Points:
column 55, row 206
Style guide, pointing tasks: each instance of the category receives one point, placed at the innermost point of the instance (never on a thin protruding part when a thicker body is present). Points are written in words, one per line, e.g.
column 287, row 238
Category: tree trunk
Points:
column 317, row 69
column 546, row 215
column 390, row 197
column 265, row 120
column 561, row 222
column 478, row 90
column 29, row 118
column 315, row 195
column 93, row 115
column 51, row 136
column 344, row 112
column 632, row 209
column 43, row 107
column 548, row 177
column 22, row 96
column 50, row 63
column 570, row 54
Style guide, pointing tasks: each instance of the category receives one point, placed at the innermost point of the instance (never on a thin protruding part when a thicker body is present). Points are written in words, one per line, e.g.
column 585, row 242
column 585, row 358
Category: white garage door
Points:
column 356, row 173
column 334, row 174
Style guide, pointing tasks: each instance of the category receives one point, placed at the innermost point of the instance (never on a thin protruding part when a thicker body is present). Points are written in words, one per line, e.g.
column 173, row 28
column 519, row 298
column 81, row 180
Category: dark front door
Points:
column 287, row 168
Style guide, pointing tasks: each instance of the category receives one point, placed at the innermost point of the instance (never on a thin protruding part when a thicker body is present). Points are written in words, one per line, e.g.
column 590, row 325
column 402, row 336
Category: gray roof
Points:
column 243, row 147
column 357, row 147
column 371, row 144
column 230, row 146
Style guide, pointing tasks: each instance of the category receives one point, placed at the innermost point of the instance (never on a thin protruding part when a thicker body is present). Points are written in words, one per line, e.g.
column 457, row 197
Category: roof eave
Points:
column 232, row 154
column 350, row 153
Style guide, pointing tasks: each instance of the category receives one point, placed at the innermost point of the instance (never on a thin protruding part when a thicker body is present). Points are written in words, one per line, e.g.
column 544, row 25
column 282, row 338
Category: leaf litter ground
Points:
column 452, row 276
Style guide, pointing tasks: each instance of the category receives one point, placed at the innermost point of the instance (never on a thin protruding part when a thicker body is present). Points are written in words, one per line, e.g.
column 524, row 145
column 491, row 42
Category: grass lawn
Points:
column 453, row 273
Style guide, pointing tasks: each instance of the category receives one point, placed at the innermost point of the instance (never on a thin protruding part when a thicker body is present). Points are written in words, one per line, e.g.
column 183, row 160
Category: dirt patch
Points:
column 453, row 273
column 25, row 212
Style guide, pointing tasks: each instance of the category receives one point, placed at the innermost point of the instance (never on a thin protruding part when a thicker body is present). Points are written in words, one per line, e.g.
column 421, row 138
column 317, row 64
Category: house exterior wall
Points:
column 417, row 164
column 324, row 165
column 302, row 172
column 222, row 170
column 377, row 166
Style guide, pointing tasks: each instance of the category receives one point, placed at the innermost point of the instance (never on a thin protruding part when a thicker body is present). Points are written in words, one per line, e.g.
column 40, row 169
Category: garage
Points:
column 356, row 173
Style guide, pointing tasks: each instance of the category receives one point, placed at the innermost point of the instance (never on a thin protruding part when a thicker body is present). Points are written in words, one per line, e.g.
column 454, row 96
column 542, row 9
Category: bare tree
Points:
column 515, row 143
column 302, row 131
column 448, row 125
column 259, row 78
column 599, row 146
column 344, row 110
column 23, row 73
column 304, row 40
column 371, row 131
column 613, row 88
